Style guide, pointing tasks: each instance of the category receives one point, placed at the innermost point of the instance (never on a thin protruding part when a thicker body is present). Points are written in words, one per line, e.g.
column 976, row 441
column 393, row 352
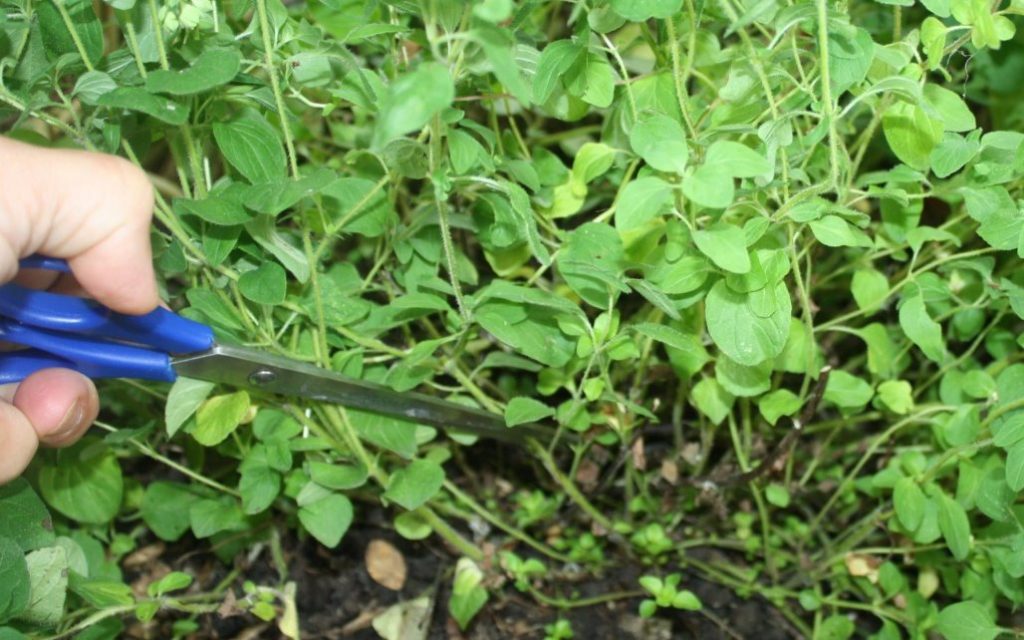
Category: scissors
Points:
column 74, row 333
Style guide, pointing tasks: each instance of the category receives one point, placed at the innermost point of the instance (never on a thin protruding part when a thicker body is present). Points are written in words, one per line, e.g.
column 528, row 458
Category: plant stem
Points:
column 275, row 87
column 441, row 201
column 77, row 39
column 570, row 489
column 453, row 537
column 828, row 106
column 152, row 453
column 518, row 534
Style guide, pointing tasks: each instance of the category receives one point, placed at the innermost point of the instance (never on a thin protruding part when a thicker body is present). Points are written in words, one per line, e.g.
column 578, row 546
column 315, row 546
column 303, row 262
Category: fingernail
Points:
column 71, row 422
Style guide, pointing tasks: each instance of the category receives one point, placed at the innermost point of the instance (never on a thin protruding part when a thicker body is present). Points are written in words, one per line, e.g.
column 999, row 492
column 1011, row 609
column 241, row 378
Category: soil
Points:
column 337, row 598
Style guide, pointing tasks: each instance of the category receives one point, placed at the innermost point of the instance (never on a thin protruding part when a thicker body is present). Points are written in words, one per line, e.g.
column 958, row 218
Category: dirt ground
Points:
column 337, row 598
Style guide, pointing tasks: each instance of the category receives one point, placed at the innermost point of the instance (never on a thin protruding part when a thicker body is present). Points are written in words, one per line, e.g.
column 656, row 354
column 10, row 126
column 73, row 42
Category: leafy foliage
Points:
column 647, row 224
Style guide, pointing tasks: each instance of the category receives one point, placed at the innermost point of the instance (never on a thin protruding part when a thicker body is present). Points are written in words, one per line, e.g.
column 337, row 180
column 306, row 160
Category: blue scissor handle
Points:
column 72, row 333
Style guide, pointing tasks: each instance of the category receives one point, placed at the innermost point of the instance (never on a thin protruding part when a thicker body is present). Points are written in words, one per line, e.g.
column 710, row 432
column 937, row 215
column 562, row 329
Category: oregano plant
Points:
column 755, row 268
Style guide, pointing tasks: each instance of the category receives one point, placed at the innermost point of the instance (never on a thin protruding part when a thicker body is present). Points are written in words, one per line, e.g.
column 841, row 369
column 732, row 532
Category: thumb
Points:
column 92, row 209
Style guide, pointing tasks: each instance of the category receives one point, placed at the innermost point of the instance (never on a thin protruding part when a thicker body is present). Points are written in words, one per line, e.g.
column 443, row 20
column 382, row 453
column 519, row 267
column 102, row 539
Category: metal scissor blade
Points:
column 249, row 368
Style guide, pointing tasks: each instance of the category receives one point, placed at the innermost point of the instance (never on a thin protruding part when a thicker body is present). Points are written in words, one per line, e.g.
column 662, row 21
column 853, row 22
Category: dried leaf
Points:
column 386, row 565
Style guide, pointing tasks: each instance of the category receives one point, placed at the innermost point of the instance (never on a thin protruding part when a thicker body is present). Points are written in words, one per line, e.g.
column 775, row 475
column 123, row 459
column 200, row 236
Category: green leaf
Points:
column 955, row 527
column 398, row 436
column 48, row 575
column 162, row 506
column 213, row 68
column 267, row 284
column 92, row 85
column 741, row 329
column 411, row 526
column 252, row 147
column 259, row 486
column 59, row 39
column 311, row 69
column 726, row 245
column 25, row 518
column 950, row 108
column 661, row 142
column 911, row 133
column 921, row 329
column 940, row 8
column 642, row 200
column 1007, row 431
column 1015, row 466
column 1001, row 220
column 897, row 396
column 851, row 51
column 967, row 621
column 212, row 516
column 642, row 10
column 592, row 160
column 777, row 495
column 833, row 231
column 14, row 579
column 554, row 62
column 591, row 263
column 687, row 601
column 136, row 99
column 522, row 409
column 213, row 308
column 271, row 198
column 468, row 596
column 412, row 100
column 327, row 518
column 681, row 276
column 359, row 206
column 593, row 80
column 263, row 232
column 741, row 380
column 184, row 399
column 415, row 484
column 173, row 581
column 500, row 48
column 712, row 399
column 338, row 476
column 952, row 154
column 909, row 501
column 710, row 187
column 836, row 627
column 778, row 403
column 736, row 160
column 933, row 41
column 219, row 416
column 870, row 288
column 213, row 209
column 85, row 483
column 847, row 391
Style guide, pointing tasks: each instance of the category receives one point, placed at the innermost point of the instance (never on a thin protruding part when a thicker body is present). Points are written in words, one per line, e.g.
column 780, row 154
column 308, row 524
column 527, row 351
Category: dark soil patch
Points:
column 337, row 598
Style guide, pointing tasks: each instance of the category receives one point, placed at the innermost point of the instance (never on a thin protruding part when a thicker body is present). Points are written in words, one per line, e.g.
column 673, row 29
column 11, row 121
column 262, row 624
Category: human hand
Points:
column 93, row 210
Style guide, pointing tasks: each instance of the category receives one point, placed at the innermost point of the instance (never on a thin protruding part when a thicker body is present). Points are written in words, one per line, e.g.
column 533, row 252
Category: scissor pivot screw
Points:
column 261, row 377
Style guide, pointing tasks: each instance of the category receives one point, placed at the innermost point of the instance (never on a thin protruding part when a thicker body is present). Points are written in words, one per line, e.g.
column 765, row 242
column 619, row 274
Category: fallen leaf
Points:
column 639, row 457
column 144, row 556
column 288, row 623
column 691, row 453
column 385, row 564
column 587, row 474
column 861, row 565
column 409, row 620
column 670, row 471
column 229, row 607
